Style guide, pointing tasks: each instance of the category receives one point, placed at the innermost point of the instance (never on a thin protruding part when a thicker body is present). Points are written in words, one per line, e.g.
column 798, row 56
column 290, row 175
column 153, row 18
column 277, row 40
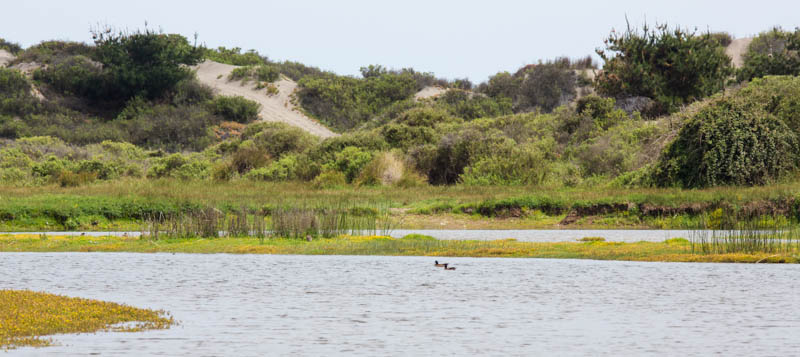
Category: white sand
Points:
column 276, row 108
column 429, row 92
column 736, row 49
column 5, row 57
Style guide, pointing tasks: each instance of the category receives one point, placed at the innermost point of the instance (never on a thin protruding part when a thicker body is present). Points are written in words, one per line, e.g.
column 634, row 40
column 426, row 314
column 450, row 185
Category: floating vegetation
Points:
column 26, row 316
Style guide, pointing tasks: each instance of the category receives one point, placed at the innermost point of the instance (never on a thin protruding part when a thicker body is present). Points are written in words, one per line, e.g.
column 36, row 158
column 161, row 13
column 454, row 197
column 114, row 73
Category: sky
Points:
column 452, row 39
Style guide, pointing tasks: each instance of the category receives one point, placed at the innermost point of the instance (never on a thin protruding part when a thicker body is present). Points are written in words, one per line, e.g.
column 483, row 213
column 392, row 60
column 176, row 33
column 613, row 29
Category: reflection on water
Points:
column 325, row 305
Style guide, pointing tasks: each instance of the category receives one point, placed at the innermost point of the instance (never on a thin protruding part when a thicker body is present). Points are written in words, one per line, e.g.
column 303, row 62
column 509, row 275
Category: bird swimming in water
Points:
column 448, row 268
column 436, row 264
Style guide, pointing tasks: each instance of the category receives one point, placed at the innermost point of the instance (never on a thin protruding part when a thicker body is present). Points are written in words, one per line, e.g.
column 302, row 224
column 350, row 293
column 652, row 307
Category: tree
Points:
column 672, row 67
column 144, row 63
column 775, row 52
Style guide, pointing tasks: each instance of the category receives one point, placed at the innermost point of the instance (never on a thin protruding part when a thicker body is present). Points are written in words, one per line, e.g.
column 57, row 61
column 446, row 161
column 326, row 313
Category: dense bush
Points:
column 277, row 139
column 775, row 52
column 261, row 73
column 546, row 86
column 15, row 94
column 48, row 52
column 75, row 75
column 350, row 161
column 238, row 109
column 143, row 63
column 234, row 56
column 345, row 102
column 9, row 46
column 672, row 67
column 735, row 140
column 180, row 166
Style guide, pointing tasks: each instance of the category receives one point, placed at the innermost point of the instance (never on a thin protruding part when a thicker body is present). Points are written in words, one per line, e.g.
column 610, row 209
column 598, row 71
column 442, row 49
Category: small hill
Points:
column 277, row 107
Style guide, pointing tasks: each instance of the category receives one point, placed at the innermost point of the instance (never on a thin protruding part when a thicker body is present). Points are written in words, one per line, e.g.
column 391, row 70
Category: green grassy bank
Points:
column 122, row 205
column 674, row 250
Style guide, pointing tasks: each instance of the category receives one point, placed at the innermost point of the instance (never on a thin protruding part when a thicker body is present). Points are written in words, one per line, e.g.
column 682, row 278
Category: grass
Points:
column 674, row 250
column 117, row 204
column 26, row 316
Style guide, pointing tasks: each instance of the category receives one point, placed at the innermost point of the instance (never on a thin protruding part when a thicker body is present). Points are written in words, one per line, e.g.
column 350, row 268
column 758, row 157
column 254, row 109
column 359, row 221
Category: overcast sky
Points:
column 453, row 39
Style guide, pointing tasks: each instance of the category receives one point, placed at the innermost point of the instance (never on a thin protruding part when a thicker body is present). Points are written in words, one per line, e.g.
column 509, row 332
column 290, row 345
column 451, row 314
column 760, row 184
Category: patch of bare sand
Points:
column 737, row 49
column 6, row 57
column 276, row 108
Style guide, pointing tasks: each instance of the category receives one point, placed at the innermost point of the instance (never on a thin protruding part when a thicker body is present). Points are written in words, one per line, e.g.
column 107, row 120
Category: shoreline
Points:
column 672, row 250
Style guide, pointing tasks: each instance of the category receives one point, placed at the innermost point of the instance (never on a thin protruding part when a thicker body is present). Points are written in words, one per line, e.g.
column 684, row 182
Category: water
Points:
column 251, row 305
column 523, row 235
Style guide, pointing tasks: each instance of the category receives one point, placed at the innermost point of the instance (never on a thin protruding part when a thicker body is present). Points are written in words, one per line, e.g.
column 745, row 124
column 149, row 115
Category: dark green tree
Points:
column 671, row 66
column 775, row 52
column 143, row 63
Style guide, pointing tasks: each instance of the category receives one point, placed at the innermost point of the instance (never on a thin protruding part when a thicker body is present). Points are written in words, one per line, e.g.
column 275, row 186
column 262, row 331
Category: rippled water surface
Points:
column 250, row 305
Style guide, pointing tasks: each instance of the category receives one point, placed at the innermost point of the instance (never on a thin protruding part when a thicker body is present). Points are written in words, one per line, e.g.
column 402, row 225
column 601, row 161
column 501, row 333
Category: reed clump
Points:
column 280, row 222
column 722, row 234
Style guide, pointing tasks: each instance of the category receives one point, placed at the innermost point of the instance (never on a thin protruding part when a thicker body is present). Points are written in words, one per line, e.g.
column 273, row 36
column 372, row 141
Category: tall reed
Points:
column 772, row 235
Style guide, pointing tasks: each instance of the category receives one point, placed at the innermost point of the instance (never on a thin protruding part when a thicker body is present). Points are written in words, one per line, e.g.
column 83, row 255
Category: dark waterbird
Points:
column 436, row 264
column 448, row 268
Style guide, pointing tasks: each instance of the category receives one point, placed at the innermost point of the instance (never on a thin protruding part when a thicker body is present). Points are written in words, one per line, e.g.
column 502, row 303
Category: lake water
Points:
column 252, row 305
column 523, row 235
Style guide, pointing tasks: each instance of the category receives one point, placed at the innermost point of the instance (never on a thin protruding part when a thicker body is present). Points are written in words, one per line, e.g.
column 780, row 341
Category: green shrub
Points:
column 525, row 165
column 238, row 109
column 47, row 52
column 277, row 139
column 99, row 169
column 775, row 52
column 350, row 161
column 190, row 92
column 143, row 63
column 729, row 142
column 11, row 47
column 180, row 166
column 329, row 179
column 234, row 56
column 403, row 136
column 281, row 170
column 14, row 158
column 546, row 86
column 15, row 94
column 471, row 106
column 73, row 179
column 50, row 168
column 76, row 75
column 672, row 67
column 345, row 102
column 260, row 73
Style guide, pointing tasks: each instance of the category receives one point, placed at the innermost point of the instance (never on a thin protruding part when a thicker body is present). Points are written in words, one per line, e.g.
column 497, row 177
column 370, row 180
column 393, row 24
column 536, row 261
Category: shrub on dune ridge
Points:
column 671, row 66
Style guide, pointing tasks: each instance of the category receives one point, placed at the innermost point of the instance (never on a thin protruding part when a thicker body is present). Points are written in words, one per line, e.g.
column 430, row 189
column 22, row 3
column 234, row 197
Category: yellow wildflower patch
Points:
column 25, row 316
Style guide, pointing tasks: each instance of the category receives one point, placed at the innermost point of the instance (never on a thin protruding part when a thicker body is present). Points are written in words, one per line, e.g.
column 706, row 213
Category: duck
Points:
column 448, row 268
column 436, row 264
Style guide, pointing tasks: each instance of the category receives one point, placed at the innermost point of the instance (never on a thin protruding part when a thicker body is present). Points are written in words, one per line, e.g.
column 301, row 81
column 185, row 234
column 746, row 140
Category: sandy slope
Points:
column 273, row 108
column 736, row 49
column 5, row 57
column 430, row 92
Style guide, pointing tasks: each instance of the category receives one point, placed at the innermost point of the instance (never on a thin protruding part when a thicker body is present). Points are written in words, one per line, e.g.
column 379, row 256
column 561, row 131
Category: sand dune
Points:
column 5, row 57
column 430, row 92
column 277, row 108
column 736, row 49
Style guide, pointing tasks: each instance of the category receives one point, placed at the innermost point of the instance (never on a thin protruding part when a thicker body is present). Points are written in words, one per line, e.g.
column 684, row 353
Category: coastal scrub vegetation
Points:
column 665, row 109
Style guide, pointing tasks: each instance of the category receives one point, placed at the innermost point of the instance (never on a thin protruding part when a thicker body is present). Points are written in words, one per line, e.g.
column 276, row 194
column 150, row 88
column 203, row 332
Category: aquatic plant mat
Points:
column 26, row 316
column 672, row 250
